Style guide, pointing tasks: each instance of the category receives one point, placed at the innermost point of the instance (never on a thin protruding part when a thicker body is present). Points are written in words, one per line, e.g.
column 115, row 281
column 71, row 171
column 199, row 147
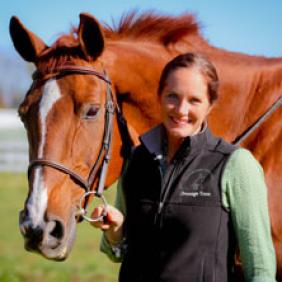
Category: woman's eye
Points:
column 195, row 101
column 172, row 96
column 91, row 112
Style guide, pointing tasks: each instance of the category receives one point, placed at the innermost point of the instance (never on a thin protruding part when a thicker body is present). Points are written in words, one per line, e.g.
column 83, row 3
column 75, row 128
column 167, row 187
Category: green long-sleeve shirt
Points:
column 244, row 194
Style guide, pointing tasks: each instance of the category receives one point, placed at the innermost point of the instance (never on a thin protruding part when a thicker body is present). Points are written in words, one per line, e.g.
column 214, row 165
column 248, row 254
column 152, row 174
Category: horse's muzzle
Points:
column 47, row 238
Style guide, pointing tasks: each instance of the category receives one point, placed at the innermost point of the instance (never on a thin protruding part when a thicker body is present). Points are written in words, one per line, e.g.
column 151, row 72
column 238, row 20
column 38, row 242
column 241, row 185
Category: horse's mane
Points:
column 149, row 25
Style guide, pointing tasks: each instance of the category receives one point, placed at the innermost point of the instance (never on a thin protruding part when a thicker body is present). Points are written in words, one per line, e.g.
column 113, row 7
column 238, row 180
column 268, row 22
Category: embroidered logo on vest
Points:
column 194, row 184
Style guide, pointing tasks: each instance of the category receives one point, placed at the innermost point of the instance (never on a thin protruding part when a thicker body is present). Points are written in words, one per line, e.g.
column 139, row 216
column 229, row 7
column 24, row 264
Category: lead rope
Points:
column 258, row 122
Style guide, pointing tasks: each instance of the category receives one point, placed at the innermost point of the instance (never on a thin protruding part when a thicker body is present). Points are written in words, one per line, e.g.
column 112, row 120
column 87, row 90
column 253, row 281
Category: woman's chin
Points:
column 182, row 131
column 177, row 135
column 179, row 132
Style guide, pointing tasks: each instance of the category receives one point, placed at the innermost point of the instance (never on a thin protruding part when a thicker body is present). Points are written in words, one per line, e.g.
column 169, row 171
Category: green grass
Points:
column 86, row 262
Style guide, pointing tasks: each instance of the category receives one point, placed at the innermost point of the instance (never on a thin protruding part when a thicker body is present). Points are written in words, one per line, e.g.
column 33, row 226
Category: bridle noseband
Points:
column 104, row 155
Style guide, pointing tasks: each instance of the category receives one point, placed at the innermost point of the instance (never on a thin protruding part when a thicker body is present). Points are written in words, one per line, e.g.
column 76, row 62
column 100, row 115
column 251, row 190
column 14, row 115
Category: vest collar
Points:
column 153, row 141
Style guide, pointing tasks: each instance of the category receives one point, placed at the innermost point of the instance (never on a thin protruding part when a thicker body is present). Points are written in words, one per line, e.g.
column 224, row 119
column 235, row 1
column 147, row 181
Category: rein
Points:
column 239, row 139
column 104, row 156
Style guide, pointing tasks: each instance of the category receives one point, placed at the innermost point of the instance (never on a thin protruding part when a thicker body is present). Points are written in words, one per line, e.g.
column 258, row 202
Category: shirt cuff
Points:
column 114, row 252
column 262, row 279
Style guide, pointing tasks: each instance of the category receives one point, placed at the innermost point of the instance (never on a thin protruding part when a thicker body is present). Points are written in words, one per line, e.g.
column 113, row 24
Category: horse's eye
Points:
column 91, row 111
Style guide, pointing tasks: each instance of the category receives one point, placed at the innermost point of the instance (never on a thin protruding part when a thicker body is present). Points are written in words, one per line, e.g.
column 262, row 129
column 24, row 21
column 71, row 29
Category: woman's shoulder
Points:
column 218, row 144
column 139, row 155
column 243, row 177
column 243, row 162
column 242, row 155
column 138, row 151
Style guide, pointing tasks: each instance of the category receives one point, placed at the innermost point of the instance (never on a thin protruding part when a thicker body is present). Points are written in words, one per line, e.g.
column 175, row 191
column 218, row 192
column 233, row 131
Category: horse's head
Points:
column 64, row 115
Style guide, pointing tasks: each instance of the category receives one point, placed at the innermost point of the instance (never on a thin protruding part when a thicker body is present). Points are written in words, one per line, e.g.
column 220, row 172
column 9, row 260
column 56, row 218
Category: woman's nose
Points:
column 183, row 108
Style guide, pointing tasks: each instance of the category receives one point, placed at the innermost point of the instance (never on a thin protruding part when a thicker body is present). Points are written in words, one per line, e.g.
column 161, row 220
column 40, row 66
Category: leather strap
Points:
column 62, row 168
column 69, row 69
column 258, row 122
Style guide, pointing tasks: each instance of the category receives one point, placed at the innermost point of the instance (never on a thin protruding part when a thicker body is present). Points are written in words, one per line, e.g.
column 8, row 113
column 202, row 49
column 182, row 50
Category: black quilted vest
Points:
column 176, row 227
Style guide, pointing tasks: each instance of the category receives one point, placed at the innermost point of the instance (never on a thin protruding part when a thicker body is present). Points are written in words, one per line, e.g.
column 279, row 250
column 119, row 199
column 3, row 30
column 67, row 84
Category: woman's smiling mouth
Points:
column 180, row 122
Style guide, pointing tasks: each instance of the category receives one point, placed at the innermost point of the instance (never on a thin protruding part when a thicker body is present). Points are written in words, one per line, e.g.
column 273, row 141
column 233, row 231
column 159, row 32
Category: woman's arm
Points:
column 245, row 195
column 114, row 248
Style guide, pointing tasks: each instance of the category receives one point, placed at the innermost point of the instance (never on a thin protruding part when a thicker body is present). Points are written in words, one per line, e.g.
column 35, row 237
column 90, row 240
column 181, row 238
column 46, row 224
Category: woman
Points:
column 187, row 198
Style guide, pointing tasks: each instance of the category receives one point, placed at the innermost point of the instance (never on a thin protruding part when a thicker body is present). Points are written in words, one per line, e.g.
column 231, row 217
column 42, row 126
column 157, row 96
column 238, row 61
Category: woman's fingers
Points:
column 98, row 212
column 112, row 223
column 114, row 218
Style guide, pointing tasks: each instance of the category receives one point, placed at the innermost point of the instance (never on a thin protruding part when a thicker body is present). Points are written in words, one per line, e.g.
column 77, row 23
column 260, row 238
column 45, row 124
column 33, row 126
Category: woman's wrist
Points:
column 113, row 238
column 113, row 241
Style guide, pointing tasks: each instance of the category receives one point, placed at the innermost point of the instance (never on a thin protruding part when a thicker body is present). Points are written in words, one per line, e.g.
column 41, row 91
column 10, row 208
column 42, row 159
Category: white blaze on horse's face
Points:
column 37, row 202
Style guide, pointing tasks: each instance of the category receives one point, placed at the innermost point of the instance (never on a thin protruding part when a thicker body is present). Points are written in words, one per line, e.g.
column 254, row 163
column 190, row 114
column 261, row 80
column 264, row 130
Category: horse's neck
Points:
column 135, row 72
column 248, row 87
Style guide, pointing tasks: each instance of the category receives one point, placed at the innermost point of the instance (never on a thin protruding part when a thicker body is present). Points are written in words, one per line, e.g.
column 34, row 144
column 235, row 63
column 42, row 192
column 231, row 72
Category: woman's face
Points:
column 184, row 102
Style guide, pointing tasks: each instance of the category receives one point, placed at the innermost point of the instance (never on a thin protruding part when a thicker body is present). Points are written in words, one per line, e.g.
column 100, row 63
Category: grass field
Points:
column 85, row 263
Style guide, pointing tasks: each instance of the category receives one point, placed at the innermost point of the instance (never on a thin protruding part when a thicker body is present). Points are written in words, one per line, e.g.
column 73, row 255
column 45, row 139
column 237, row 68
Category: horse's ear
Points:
column 28, row 45
column 90, row 36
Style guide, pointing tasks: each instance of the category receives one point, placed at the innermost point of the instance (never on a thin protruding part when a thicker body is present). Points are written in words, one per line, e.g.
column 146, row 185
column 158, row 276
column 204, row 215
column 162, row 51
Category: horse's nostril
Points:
column 34, row 235
column 30, row 231
column 54, row 232
column 57, row 230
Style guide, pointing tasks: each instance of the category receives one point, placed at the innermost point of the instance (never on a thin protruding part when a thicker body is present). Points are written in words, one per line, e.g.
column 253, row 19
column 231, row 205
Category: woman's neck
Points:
column 173, row 145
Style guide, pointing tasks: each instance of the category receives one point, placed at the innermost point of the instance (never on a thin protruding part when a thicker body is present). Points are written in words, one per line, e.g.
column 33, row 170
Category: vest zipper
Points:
column 160, row 206
column 165, row 188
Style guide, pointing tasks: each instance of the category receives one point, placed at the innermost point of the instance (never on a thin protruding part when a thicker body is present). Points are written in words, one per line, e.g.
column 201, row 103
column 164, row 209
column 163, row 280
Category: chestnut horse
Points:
column 64, row 114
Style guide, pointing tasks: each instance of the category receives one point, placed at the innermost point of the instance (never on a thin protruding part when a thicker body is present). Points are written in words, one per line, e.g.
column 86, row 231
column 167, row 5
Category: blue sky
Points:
column 249, row 26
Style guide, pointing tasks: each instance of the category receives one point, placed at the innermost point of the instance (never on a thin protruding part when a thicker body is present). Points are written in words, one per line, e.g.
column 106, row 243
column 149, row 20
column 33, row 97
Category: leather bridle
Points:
column 104, row 155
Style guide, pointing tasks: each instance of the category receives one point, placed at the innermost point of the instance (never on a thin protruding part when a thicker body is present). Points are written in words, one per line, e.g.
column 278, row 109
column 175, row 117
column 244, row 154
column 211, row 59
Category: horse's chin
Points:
column 59, row 252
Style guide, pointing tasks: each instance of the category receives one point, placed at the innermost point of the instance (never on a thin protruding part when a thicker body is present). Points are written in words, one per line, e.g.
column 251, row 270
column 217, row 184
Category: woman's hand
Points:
column 111, row 225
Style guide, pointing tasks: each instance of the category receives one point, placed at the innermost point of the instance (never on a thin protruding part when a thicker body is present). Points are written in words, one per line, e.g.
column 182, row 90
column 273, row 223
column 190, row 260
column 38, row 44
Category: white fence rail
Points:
column 13, row 142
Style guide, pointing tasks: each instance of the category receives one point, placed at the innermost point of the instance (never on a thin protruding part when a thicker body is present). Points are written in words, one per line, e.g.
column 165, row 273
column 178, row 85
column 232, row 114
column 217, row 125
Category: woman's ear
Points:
column 27, row 44
column 210, row 107
column 91, row 38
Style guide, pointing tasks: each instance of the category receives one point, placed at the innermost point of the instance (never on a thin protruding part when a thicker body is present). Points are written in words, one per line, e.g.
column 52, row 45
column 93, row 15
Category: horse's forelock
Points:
column 59, row 55
column 67, row 40
column 64, row 49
